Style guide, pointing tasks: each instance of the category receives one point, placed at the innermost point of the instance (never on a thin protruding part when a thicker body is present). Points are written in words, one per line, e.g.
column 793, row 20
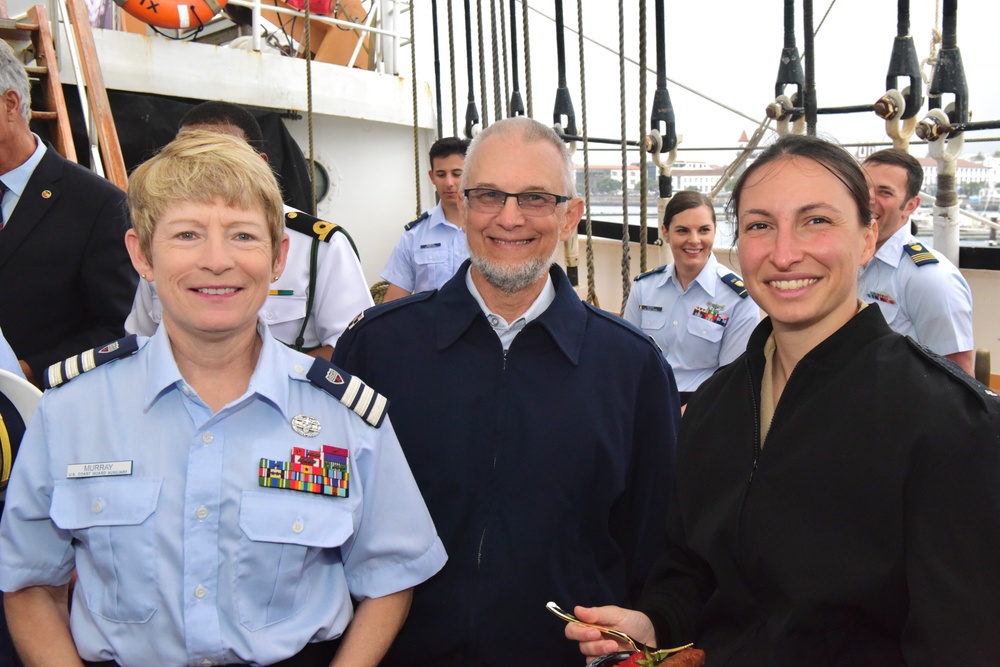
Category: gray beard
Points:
column 513, row 279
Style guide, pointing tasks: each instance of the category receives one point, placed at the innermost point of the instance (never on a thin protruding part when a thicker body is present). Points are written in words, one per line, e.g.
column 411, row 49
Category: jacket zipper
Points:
column 482, row 536
column 756, row 424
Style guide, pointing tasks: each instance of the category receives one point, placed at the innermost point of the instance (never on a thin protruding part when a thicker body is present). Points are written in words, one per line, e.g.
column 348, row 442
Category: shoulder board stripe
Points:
column 64, row 371
column 735, row 283
column 416, row 221
column 920, row 254
column 659, row 269
column 350, row 391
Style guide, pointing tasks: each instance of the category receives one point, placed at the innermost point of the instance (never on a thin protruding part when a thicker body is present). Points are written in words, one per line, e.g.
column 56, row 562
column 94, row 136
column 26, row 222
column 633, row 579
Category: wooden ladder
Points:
column 106, row 152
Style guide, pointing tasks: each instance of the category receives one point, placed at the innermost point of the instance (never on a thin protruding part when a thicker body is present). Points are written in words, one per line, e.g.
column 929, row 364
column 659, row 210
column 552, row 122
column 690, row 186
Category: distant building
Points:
column 966, row 172
column 687, row 175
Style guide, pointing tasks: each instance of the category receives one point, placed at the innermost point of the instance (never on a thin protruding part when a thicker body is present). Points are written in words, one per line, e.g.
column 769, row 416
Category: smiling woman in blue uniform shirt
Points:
column 696, row 310
column 187, row 480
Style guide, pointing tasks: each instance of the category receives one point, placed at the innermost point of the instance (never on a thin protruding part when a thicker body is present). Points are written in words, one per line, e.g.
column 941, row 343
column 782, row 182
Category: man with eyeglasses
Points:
column 540, row 430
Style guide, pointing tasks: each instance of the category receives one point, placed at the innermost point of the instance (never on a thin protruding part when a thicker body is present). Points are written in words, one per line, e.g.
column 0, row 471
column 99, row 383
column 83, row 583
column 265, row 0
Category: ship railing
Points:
column 380, row 24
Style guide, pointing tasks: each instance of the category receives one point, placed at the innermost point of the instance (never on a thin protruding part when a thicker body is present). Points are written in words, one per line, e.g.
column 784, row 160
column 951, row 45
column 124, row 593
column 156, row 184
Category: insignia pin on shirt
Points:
column 306, row 425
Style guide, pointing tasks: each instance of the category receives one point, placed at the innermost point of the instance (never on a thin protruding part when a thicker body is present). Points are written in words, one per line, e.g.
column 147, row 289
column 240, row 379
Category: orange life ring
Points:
column 176, row 14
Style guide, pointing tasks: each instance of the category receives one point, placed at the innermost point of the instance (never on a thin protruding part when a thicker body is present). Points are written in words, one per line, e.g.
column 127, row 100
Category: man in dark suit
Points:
column 66, row 283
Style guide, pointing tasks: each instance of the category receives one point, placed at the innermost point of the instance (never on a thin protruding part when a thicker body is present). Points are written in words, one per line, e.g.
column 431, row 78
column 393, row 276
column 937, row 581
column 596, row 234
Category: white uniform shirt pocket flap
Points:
column 295, row 517
column 103, row 501
column 281, row 308
column 706, row 329
column 430, row 255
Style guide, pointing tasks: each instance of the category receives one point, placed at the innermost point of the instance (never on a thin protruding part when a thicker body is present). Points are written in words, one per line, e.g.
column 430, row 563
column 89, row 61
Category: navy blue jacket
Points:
column 546, row 469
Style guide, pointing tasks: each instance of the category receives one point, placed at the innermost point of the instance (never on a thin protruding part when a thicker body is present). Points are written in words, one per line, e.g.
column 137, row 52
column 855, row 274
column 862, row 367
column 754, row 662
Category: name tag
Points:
column 430, row 245
column 652, row 309
column 105, row 469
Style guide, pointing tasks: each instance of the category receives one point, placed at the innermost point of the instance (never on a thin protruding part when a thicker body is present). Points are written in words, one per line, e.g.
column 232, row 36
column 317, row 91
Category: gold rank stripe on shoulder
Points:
column 352, row 392
column 64, row 371
column 310, row 225
column 920, row 254
column 735, row 283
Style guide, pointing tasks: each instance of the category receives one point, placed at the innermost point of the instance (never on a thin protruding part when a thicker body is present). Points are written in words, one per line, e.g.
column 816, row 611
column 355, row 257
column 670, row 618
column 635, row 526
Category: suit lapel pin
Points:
column 46, row 194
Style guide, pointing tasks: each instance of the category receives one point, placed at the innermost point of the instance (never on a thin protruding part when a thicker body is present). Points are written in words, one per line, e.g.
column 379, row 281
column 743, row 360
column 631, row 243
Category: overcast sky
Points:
column 726, row 49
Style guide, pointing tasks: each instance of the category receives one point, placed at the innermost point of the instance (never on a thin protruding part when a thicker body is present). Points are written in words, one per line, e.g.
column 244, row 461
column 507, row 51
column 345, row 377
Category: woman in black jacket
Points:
column 837, row 499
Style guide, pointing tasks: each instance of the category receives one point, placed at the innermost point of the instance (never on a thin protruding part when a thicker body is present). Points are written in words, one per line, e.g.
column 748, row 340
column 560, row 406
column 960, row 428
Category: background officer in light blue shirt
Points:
column 921, row 294
column 696, row 309
column 223, row 498
column 432, row 246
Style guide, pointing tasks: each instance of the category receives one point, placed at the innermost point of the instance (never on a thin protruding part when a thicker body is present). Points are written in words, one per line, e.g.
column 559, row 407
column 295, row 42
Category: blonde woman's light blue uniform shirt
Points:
column 187, row 560
column 427, row 254
column 698, row 329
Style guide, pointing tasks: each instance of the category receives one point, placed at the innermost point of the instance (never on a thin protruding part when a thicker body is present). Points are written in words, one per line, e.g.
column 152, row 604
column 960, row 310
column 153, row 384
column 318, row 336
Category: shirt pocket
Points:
column 700, row 347
column 113, row 519
column 432, row 268
column 652, row 318
column 282, row 533
column 283, row 309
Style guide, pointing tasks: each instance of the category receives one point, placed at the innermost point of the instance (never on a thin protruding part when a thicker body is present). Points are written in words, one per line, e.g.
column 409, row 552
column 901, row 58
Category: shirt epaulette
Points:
column 920, row 254
column 315, row 228
column 64, row 371
column 735, row 283
column 986, row 396
column 349, row 390
column 659, row 269
column 416, row 221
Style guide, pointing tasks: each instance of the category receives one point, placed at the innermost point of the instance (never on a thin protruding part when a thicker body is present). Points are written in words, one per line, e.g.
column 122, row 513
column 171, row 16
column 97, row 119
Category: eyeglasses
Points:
column 534, row 204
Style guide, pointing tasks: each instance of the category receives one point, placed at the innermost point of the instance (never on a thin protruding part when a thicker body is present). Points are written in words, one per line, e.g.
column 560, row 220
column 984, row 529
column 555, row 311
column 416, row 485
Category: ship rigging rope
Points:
column 527, row 58
column 929, row 63
column 591, row 285
column 626, row 259
column 309, row 107
column 416, row 138
column 506, row 73
column 516, row 107
column 643, row 176
column 437, row 65
column 471, row 112
column 611, row 50
column 482, row 66
column 451, row 56
column 497, row 104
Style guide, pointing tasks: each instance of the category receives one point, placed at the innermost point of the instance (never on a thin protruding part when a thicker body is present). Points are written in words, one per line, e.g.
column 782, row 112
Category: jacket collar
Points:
column 564, row 320
column 838, row 350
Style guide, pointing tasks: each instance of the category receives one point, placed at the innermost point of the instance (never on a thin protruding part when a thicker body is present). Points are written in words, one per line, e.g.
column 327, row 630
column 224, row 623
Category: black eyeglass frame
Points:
column 560, row 199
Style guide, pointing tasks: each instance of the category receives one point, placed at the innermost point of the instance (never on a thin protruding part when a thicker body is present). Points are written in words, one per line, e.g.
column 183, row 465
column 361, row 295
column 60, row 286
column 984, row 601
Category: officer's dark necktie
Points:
column 3, row 191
